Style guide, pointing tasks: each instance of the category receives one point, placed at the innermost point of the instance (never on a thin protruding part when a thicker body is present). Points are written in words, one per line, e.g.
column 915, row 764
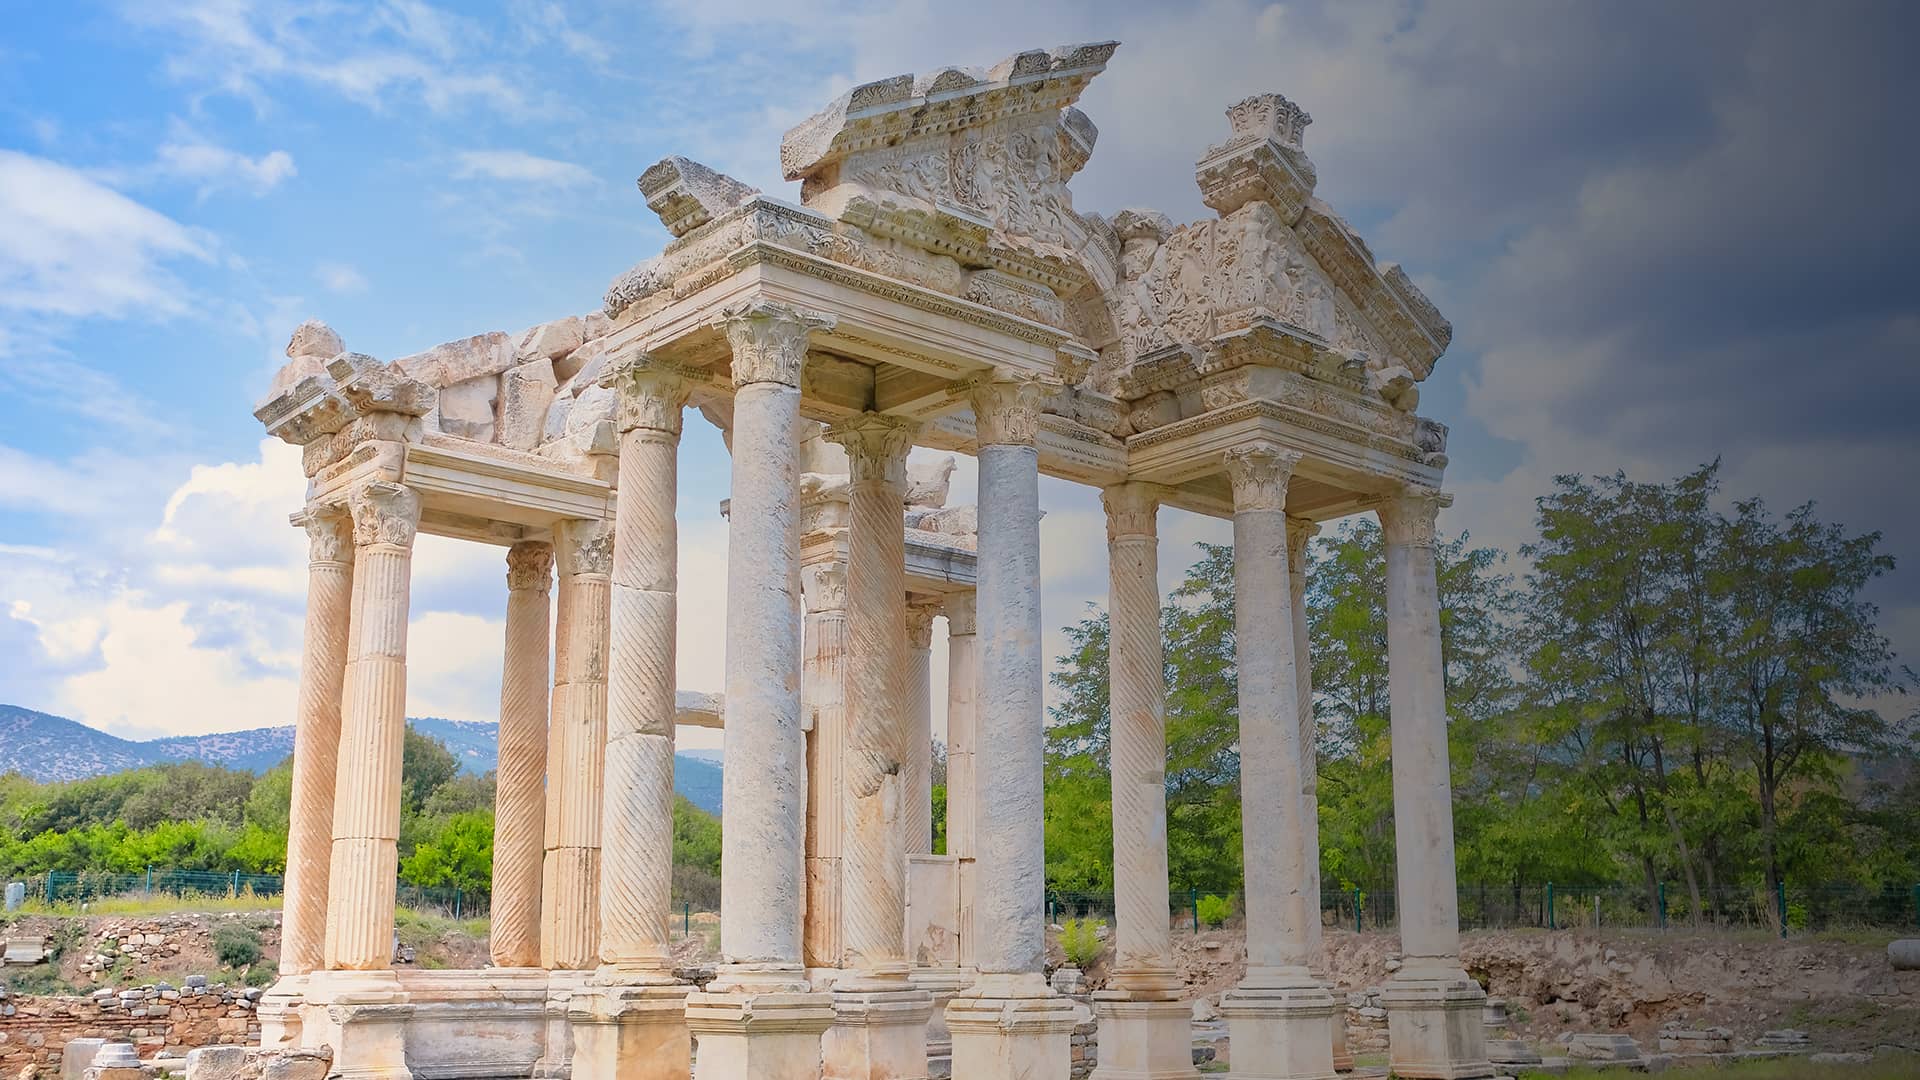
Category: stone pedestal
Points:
column 631, row 1033
column 878, row 1033
column 364, row 1019
column 1281, row 1033
column 1143, row 1040
column 1012, row 1026
column 556, row 1058
column 942, row 985
column 1435, row 1027
column 279, row 1012
column 763, row 1036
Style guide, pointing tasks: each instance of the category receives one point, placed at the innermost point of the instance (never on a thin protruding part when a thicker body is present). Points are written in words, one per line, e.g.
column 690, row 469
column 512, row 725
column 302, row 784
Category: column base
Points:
column 280, row 1011
column 879, row 1032
column 1435, row 1029
column 1280, row 1032
column 364, row 1020
column 631, row 1033
column 943, row 983
column 1143, row 1036
column 1012, row 1026
column 746, row 1034
column 556, row 1061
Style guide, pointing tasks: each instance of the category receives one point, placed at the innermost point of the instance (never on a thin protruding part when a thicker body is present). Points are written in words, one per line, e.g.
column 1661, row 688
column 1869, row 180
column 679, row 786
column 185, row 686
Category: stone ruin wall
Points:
column 159, row 1020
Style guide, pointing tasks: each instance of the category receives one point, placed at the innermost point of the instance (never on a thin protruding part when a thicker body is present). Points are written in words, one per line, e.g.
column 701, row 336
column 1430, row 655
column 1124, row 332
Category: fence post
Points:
column 1357, row 928
column 686, row 919
column 149, row 879
column 1193, row 904
column 456, row 901
column 1780, row 901
column 1662, row 890
column 1550, row 925
column 1916, row 905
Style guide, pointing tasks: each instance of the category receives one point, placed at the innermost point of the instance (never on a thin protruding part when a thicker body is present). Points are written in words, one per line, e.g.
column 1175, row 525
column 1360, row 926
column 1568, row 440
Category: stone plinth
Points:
column 631, row 1033
column 1281, row 1033
column 1434, row 1025
column 1144, row 1040
column 766, row 1036
column 1012, row 1027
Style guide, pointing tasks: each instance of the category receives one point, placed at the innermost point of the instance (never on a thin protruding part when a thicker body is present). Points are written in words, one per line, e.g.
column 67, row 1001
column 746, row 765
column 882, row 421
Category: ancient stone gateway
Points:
column 937, row 289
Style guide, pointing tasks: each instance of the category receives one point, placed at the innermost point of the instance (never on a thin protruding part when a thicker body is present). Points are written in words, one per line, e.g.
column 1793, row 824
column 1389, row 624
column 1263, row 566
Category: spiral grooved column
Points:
column 1009, row 1023
column 520, row 780
column 316, row 738
column 576, row 748
column 758, row 1019
column 373, row 725
column 1279, row 1015
column 823, row 697
column 919, row 734
column 1434, row 1026
column 1145, row 1030
column 1300, row 532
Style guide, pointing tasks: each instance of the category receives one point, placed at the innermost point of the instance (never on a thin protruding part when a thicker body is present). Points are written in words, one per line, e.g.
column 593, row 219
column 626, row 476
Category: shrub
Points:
column 236, row 946
column 1213, row 910
column 1080, row 940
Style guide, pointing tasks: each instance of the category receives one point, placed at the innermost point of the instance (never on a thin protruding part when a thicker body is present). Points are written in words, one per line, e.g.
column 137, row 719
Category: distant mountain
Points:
column 45, row 748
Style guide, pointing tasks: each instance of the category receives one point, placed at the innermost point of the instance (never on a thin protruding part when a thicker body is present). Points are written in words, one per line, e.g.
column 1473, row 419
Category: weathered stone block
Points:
column 525, row 393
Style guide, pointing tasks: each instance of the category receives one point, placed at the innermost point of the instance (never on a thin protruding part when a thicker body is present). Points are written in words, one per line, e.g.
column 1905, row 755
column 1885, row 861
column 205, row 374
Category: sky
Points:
column 1664, row 233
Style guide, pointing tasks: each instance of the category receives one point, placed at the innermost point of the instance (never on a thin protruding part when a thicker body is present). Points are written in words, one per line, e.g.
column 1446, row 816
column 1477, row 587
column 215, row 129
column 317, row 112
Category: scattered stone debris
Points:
column 1601, row 1046
column 1675, row 1039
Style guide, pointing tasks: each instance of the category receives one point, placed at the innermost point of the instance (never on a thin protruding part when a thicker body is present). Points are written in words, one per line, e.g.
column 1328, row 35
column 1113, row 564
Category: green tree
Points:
column 458, row 854
column 426, row 765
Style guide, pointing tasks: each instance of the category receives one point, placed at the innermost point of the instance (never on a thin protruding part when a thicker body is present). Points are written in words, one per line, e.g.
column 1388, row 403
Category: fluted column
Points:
column 1145, row 1030
column 963, row 678
column 1009, row 1023
column 316, row 738
column 519, row 816
column 373, row 723
column 823, row 699
column 1300, row 532
column 757, row 1018
column 576, row 747
column 1280, row 1010
column 1434, row 1024
column 919, row 738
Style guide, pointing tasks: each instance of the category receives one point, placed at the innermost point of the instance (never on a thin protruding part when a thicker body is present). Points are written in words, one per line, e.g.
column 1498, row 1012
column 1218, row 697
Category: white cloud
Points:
column 70, row 246
column 341, row 278
column 213, row 167
column 520, row 167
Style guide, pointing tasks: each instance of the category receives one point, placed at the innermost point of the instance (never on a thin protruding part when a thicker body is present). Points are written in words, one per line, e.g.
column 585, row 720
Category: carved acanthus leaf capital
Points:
column 329, row 534
column 769, row 341
column 530, row 566
column 1006, row 412
column 920, row 625
column 1299, row 532
column 1133, row 510
column 876, row 446
column 1259, row 475
column 584, row 546
column 824, row 586
column 652, row 392
column 959, row 610
column 384, row 513
column 1409, row 519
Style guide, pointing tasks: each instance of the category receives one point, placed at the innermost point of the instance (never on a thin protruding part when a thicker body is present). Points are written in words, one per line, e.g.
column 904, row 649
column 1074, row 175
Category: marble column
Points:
column 1009, row 1022
column 1280, row 1016
column 758, row 1019
column 823, row 700
column 363, row 871
column 519, row 815
column 632, row 1026
column 879, row 1031
column 1434, row 1026
column 1146, row 1030
column 316, row 739
column 919, row 740
column 576, row 748
column 963, row 680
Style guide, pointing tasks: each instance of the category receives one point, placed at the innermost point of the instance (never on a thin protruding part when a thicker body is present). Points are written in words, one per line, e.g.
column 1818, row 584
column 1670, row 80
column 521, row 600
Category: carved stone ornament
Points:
column 876, row 446
column 585, row 547
column 1006, row 412
column 1408, row 520
column 384, row 513
column 769, row 341
column 920, row 625
column 1299, row 531
column 959, row 610
column 652, row 392
column 530, row 566
column 1259, row 475
column 687, row 194
column 824, row 586
column 329, row 534
column 1133, row 510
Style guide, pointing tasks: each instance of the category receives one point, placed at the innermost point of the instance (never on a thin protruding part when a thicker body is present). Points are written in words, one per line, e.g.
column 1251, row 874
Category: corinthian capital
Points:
column 1408, row 518
column 384, row 513
column 769, row 341
column 824, row 585
column 1259, row 475
column 920, row 625
column 959, row 609
column 652, row 392
column 329, row 534
column 584, row 546
column 530, row 566
column 1132, row 510
column 876, row 446
column 1006, row 412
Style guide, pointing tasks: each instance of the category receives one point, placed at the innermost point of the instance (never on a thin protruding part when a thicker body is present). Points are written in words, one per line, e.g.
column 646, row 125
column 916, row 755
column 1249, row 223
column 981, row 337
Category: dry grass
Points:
column 160, row 903
column 1884, row 1067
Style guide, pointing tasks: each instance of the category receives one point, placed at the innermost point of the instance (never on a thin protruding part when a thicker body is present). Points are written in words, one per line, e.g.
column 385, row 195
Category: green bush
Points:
column 1080, row 940
column 1213, row 910
column 236, row 945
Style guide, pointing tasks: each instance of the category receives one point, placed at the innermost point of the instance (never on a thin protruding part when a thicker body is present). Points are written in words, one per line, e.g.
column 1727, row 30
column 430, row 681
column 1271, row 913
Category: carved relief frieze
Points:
column 384, row 513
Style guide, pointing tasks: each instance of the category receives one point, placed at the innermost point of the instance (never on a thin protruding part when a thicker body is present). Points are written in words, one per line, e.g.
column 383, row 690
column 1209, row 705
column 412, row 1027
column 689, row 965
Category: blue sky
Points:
column 1664, row 234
